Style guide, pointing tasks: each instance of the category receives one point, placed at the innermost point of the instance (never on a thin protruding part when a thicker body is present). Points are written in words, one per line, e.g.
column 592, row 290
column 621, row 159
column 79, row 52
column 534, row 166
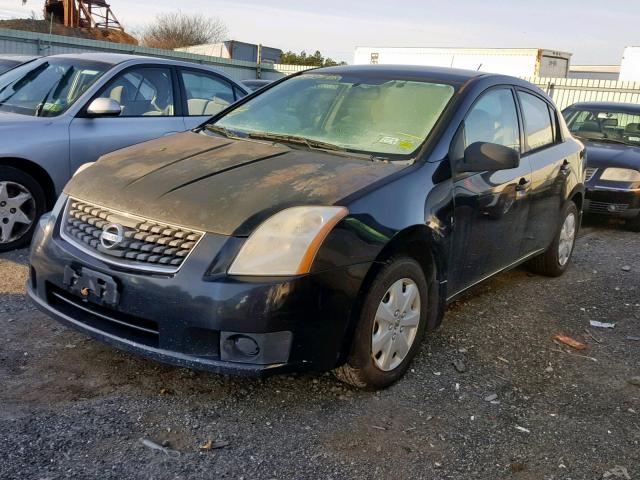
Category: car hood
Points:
column 603, row 155
column 220, row 185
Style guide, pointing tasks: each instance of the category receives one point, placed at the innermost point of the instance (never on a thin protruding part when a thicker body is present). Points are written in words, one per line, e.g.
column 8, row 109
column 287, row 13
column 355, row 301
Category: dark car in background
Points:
column 59, row 112
column 611, row 133
column 323, row 223
column 7, row 62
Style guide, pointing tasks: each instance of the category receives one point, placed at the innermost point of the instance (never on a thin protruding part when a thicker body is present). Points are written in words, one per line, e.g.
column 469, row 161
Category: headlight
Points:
column 621, row 175
column 82, row 167
column 287, row 243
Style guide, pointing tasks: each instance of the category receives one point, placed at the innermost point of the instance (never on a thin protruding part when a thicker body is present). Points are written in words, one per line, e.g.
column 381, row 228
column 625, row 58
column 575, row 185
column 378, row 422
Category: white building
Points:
column 518, row 62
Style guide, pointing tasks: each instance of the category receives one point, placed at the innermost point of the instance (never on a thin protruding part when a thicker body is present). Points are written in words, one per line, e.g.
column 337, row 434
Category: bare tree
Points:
column 175, row 30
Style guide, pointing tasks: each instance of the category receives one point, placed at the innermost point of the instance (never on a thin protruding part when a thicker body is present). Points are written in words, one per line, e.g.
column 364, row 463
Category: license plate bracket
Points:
column 91, row 286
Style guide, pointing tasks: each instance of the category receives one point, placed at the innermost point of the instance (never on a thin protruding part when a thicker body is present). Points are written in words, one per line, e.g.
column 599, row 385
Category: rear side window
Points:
column 206, row 94
column 493, row 119
column 538, row 129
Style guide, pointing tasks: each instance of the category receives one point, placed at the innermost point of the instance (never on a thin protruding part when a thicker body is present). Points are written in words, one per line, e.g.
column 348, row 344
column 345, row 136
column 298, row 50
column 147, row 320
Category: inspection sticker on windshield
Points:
column 389, row 140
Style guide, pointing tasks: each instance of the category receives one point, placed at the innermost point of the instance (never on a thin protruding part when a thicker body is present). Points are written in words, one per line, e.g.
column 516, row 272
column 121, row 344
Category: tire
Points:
column 22, row 202
column 371, row 370
column 633, row 224
column 552, row 263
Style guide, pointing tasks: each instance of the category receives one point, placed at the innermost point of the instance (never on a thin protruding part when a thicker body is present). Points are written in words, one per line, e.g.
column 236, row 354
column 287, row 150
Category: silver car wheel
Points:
column 17, row 211
column 567, row 237
column 396, row 324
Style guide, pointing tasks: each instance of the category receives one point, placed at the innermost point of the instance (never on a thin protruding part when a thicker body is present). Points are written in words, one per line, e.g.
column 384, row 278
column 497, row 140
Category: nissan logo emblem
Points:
column 112, row 236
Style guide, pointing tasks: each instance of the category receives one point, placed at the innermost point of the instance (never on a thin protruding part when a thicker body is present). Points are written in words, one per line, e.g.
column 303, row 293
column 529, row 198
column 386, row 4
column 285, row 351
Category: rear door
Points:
column 149, row 99
column 491, row 207
column 205, row 95
column 544, row 149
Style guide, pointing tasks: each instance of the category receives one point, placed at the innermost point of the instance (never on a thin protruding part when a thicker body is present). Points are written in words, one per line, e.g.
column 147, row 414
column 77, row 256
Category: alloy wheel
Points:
column 17, row 211
column 567, row 237
column 396, row 324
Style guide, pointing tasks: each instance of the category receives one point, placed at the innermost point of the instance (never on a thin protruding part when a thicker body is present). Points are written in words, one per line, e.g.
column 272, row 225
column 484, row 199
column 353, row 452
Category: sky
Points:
column 596, row 32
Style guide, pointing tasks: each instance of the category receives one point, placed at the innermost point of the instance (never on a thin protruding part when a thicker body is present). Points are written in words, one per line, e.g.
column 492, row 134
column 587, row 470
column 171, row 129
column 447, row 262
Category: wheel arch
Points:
column 37, row 172
column 416, row 242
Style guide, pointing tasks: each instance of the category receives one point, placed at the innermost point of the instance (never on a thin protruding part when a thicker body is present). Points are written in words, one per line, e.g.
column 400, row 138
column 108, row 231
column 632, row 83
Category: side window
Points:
column 493, row 119
column 537, row 122
column 206, row 94
column 146, row 91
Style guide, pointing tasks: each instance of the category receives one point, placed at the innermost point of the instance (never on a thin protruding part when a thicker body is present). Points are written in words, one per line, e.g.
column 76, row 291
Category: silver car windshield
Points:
column 47, row 87
column 381, row 116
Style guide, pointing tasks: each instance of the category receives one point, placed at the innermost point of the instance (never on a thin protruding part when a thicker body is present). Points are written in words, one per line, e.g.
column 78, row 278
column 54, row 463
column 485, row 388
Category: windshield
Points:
column 360, row 114
column 7, row 65
column 47, row 87
column 604, row 125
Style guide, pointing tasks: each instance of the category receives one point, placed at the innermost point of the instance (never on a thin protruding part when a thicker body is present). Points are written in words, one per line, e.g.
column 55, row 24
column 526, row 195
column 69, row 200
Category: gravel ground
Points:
column 71, row 407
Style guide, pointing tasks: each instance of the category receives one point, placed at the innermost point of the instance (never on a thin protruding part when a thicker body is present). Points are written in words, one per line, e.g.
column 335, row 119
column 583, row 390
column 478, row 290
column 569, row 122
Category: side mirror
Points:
column 483, row 156
column 104, row 107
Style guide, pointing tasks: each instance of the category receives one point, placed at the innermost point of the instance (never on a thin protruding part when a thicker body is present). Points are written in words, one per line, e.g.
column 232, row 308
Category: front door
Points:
column 490, row 207
column 147, row 98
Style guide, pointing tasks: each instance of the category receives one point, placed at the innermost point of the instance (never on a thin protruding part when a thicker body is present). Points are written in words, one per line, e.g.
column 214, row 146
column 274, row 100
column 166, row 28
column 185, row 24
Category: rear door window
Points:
column 538, row 129
column 206, row 94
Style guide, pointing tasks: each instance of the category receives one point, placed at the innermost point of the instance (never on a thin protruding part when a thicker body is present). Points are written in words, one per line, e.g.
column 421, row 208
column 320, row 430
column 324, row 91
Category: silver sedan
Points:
column 60, row 112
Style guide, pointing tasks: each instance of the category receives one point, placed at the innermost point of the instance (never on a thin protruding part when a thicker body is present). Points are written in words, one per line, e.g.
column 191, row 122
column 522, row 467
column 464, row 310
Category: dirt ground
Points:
column 525, row 408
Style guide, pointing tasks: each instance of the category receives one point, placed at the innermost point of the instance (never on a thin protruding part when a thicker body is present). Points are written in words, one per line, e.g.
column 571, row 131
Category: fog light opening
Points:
column 243, row 345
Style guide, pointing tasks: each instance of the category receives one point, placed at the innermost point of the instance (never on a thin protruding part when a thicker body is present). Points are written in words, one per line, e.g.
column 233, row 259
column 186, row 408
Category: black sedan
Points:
column 611, row 133
column 323, row 223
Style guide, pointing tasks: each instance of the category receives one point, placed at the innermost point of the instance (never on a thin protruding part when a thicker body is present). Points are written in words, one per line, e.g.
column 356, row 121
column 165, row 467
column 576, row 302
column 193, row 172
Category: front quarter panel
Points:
column 44, row 142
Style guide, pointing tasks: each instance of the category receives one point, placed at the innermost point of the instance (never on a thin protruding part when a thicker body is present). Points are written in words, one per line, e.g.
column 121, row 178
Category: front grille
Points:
column 606, row 207
column 590, row 172
column 147, row 244
column 110, row 321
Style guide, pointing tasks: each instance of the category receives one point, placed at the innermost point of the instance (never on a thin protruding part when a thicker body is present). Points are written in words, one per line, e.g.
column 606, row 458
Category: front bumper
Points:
column 619, row 203
column 185, row 319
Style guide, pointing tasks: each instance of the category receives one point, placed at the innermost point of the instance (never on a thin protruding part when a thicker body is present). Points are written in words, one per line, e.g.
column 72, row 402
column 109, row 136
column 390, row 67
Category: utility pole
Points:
column 259, row 62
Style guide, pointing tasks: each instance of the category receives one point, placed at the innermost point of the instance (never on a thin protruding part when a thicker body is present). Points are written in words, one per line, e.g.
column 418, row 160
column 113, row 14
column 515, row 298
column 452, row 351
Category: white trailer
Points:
column 518, row 62
column 630, row 66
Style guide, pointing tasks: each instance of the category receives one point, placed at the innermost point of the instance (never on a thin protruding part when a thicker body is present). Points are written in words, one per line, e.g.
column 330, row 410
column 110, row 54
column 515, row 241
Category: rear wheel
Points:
column 392, row 323
column 555, row 260
column 22, row 201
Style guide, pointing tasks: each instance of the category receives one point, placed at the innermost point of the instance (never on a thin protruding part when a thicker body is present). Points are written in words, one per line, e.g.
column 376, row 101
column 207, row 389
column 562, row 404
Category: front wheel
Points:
column 22, row 201
column 392, row 323
column 634, row 224
column 555, row 260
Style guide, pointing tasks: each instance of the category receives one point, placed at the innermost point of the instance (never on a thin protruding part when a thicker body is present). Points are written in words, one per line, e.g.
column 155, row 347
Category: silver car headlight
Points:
column 621, row 175
column 287, row 242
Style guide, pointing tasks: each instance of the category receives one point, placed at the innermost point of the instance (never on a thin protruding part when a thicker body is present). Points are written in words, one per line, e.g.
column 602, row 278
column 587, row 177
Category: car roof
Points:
column 118, row 58
column 18, row 57
column 620, row 107
column 407, row 71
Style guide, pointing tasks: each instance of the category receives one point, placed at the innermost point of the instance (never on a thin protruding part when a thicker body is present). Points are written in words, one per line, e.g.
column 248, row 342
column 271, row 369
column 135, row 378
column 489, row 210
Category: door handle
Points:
column 523, row 185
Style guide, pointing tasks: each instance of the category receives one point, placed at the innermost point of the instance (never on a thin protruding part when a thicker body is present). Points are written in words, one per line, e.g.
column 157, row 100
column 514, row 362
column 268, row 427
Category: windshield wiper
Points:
column 222, row 131
column 610, row 140
column 309, row 142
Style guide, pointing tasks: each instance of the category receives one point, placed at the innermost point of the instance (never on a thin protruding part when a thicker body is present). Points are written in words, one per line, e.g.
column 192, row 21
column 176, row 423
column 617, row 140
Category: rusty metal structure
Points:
column 82, row 14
